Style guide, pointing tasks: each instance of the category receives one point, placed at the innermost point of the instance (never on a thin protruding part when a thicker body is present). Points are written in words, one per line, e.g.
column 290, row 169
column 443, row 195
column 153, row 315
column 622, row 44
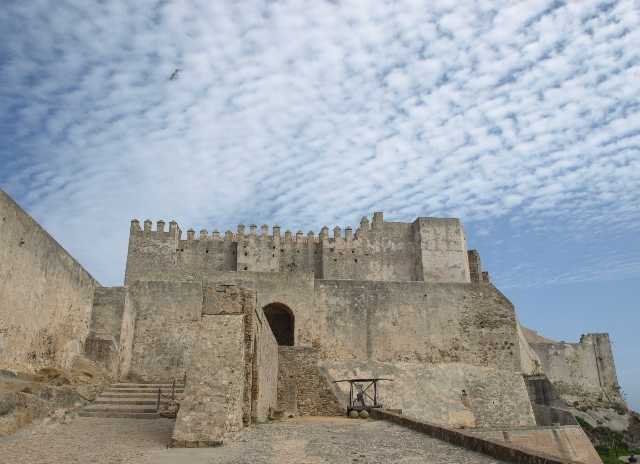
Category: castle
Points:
column 259, row 322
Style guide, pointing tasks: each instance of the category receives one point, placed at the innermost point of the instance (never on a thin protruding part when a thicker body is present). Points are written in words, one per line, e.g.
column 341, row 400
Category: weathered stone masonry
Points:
column 406, row 301
column 45, row 295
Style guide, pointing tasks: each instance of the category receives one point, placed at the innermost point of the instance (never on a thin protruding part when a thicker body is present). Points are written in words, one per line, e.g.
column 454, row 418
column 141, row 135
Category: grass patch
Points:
column 612, row 455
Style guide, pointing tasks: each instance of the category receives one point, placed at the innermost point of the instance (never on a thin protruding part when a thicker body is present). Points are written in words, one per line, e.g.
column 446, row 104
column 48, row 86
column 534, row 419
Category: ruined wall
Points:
column 212, row 406
column 565, row 442
column 46, row 301
column 164, row 331
column 427, row 249
column 581, row 370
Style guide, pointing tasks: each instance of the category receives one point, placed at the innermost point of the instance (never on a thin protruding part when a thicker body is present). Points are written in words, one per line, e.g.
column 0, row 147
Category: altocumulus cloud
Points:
column 299, row 112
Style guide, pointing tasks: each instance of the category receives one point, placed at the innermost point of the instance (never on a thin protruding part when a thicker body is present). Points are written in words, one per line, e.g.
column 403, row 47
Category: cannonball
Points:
column 364, row 414
column 353, row 414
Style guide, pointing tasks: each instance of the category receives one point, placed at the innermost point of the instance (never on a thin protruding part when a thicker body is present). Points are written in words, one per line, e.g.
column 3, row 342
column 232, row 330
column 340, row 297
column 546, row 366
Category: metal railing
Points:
column 171, row 395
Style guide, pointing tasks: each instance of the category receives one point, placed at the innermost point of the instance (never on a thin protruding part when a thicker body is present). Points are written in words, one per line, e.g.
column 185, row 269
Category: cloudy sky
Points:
column 521, row 118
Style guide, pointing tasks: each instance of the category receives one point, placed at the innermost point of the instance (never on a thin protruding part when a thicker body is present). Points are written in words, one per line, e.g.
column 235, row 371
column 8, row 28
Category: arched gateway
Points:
column 281, row 321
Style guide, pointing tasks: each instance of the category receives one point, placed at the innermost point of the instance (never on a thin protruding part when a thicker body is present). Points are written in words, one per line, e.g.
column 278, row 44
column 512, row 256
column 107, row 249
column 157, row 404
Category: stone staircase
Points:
column 131, row 400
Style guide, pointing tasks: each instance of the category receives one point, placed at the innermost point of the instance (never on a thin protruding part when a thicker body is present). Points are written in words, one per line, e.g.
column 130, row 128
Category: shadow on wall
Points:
column 282, row 323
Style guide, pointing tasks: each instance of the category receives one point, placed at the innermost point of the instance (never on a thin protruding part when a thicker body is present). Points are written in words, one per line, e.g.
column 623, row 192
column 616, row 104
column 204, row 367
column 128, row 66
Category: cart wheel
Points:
column 353, row 414
column 364, row 414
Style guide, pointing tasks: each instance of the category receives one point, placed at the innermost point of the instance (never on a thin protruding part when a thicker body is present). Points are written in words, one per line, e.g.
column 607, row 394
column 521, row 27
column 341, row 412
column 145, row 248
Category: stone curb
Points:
column 471, row 442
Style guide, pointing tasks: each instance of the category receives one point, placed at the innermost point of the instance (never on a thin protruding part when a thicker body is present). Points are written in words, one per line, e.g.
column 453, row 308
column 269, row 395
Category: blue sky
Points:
column 521, row 118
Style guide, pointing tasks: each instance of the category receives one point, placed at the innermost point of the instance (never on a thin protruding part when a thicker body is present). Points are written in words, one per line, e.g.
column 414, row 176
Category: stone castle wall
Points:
column 454, row 394
column 164, row 333
column 428, row 249
column 46, row 296
column 103, row 343
column 452, row 350
column 302, row 386
column 265, row 367
column 212, row 408
column 464, row 336
column 232, row 371
column 416, row 321
column 581, row 370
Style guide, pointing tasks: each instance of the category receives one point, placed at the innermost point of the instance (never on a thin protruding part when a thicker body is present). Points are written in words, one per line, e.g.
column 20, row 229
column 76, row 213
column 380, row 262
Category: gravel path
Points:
column 86, row 440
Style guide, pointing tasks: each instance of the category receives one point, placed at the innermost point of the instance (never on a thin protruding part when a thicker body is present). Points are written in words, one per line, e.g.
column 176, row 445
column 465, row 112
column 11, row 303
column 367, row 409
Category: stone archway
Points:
column 282, row 323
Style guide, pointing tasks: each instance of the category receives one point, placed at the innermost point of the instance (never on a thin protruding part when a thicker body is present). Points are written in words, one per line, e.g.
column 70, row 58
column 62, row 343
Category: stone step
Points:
column 141, row 390
column 120, row 408
column 145, row 385
column 120, row 414
column 131, row 401
column 137, row 395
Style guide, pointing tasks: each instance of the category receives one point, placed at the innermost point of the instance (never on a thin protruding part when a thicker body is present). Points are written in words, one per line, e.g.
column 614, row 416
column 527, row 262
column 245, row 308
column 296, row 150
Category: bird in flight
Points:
column 174, row 75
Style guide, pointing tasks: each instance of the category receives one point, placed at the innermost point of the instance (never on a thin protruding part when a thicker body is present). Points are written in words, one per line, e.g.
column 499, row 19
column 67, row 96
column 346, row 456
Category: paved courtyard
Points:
column 297, row 441
column 86, row 440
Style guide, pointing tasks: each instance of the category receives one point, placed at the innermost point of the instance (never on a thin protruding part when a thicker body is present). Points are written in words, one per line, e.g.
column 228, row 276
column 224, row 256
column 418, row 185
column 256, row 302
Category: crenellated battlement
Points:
column 429, row 249
column 243, row 233
column 159, row 232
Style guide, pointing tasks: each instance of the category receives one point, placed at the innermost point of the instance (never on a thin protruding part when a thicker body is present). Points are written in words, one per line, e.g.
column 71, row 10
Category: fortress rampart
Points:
column 428, row 249
column 45, row 295
column 405, row 301
column 581, row 370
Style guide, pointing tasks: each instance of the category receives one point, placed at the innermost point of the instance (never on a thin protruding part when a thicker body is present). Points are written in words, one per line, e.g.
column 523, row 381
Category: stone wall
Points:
column 265, row 367
column 428, row 249
column 103, row 343
column 164, row 331
column 294, row 290
column 416, row 322
column 302, row 387
column 568, row 442
column 127, row 333
column 475, row 266
column 530, row 363
column 473, row 440
column 212, row 407
column 452, row 349
column 47, row 296
column 232, row 372
column 382, row 251
column 110, row 340
column 453, row 394
column 584, row 370
column 443, row 248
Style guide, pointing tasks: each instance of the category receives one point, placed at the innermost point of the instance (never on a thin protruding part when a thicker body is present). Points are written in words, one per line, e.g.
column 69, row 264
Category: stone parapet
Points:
column 468, row 440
